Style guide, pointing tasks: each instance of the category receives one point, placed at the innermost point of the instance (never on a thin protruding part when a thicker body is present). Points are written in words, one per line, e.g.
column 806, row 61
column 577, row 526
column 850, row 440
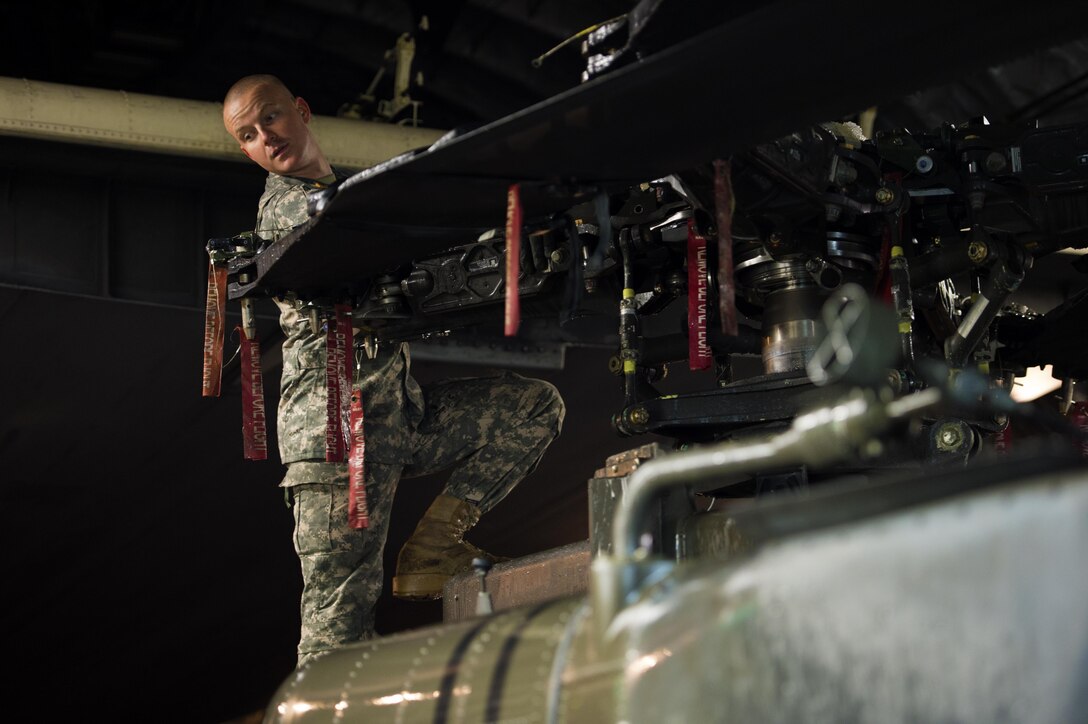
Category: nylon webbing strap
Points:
column 214, row 313
column 338, row 344
column 723, row 204
column 513, row 259
column 358, row 515
column 699, row 357
column 254, row 423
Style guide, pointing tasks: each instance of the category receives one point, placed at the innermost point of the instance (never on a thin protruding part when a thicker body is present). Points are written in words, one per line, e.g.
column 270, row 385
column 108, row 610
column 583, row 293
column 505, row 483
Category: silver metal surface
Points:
column 788, row 346
column 853, row 249
column 494, row 668
column 967, row 608
column 970, row 609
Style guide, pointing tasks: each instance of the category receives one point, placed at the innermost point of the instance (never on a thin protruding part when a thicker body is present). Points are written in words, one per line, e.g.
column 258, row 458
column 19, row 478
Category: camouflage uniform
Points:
column 494, row 429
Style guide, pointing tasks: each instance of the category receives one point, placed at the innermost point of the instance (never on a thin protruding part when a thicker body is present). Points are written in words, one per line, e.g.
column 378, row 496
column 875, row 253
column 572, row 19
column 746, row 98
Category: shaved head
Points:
column 250, row 82
column 271, row 126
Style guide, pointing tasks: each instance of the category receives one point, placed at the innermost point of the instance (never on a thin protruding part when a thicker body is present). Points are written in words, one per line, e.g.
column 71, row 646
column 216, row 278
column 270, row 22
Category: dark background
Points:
column 149, row 568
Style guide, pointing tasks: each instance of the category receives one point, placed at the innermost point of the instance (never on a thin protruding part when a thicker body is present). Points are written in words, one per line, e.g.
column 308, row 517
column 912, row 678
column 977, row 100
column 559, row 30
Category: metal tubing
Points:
column 704, row 465
column 1004, row 279
column 119, row 119
column 816, row 438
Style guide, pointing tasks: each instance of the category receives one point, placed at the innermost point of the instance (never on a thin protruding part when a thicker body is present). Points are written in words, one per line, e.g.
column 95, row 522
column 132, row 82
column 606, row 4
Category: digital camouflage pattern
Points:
column 392, row 400
column 493, row 430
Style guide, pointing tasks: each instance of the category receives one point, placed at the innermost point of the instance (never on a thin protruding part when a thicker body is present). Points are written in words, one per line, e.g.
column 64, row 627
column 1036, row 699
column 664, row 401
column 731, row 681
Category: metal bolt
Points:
column 638, row 416
column 923, row 164
column 995, row 162
column 977, row 251
column 949, row 437
column 884, row 196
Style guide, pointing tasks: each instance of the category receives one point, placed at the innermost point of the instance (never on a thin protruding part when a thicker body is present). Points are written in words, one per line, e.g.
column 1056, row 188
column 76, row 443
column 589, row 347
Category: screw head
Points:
column 949, row 437
column 977, row 251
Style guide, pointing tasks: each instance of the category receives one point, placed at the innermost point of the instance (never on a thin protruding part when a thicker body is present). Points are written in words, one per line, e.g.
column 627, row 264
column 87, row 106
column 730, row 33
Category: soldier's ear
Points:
column 303, row 109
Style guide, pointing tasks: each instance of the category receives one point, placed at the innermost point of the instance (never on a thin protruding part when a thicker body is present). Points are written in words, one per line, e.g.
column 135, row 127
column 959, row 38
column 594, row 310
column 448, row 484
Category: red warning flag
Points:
column 338, row 344
column 358, row 515
column 214, row 314
column 513, row 259
column 723, row 205
column 254, row 422
column 699, row 357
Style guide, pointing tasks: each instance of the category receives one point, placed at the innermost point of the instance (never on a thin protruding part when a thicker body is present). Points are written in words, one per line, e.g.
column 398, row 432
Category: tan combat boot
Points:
column 436, row 551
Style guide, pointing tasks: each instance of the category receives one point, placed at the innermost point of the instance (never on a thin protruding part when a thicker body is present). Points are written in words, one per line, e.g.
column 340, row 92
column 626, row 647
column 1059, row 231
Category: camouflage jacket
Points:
column 392, row 400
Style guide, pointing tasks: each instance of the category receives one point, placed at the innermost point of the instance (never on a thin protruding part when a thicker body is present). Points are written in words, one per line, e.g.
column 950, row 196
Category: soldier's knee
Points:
column 541, row 397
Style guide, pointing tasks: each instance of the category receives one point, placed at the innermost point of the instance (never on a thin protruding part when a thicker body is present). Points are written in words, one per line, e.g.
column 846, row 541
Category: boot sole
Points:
column 420, row 587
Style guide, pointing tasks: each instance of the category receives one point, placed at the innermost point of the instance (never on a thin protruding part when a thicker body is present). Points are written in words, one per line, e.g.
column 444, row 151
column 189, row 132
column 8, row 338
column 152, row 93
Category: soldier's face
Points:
column 272, row 129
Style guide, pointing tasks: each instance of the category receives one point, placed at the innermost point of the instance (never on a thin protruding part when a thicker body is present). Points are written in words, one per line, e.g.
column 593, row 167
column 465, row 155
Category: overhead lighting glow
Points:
column 1038, row 382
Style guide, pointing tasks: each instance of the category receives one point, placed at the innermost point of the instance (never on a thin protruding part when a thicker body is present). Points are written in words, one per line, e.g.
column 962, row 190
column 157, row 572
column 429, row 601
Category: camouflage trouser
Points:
column 494, row 430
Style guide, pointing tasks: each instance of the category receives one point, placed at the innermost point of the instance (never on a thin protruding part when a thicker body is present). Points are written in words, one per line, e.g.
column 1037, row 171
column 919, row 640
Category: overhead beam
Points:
column 117, row 119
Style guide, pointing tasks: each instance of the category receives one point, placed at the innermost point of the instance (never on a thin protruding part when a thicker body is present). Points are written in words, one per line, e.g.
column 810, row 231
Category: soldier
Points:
column 493, row 430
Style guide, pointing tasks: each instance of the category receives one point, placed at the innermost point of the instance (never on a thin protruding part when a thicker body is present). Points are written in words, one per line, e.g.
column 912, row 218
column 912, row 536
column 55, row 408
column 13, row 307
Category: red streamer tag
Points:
column 723, row 204
column 338, row 345
column 214, row 312
column 254, row 423
column 699, row 356
column 358, row 515
column 1078, row 415
column 513, row 259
